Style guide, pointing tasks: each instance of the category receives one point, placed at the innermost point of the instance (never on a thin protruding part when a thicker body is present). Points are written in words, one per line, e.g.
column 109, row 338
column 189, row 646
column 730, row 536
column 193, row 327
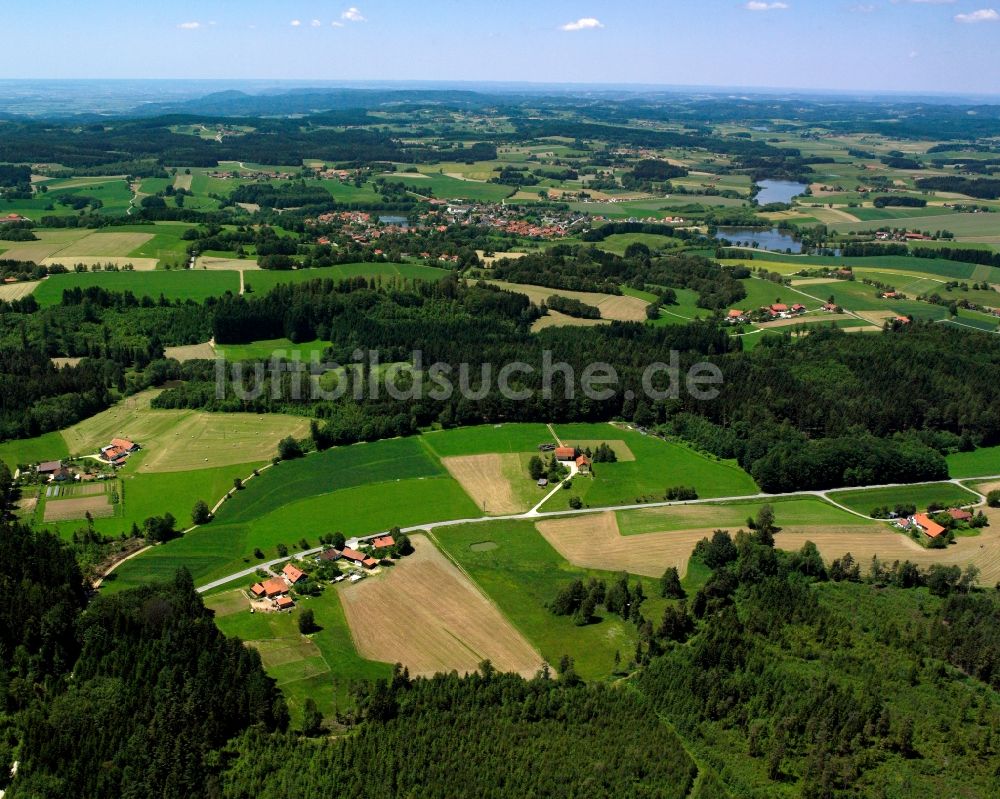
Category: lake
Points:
column 773, row 239
column 779, row 191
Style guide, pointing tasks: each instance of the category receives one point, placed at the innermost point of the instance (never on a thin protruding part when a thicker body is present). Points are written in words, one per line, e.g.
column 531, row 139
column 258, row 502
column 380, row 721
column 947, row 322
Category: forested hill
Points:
column 778, row 677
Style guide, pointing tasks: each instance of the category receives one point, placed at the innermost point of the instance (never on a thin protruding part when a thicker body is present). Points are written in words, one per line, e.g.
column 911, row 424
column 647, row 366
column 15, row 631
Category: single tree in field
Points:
column 670, row 584
column 200, row 514
column 238, row 483
column 307, row 621
column 289, row 449
column 282, row 550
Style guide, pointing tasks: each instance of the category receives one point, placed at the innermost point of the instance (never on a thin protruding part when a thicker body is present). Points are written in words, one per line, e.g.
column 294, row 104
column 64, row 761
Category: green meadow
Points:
column 658, row 465
column 521, row 573
column 484, row 439
column 47, row 447
column 921, row 495
column 449, row 188
column 174, row 284
column 322, row 665
column 983, row 462
column 263, row 281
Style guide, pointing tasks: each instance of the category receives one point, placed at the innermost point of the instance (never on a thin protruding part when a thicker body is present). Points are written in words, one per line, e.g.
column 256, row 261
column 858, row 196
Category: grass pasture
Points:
column 486, row 439
column 326, row 472
column 424, row 613
column 864, row 500
column 321, row 665
column 983, row 462
column 173, row 284
column 263, row 281
column 657, row 465
column 46, row 447
column 521, row 573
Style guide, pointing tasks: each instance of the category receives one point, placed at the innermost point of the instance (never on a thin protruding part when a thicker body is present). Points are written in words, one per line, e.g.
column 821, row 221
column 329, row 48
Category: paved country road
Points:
column 535, row 514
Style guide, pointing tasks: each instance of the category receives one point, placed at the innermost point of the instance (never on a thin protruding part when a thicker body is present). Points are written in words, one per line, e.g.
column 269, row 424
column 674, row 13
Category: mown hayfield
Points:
column 17, row 291
column 182, row 440
column 484, row 439
column 921, row 495
column 424, row 613
column 190, row 352
column 173, row 284
column 622, row 308
column 108, row 244
column 449, row 188
column 49, row 243
column 519, row 571
column 322, row 665
column 499, row 484
column 658, row 465
column 333, row 470
column 619, row 242
column 732, row 516
column 983, row 462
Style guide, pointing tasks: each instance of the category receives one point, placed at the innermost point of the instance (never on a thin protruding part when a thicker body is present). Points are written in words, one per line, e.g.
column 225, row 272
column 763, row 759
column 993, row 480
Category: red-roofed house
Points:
column 830, row 306
column 903, row 320
column 292, row 573
column 284, row 603
column 565, row 454
column 369, row 563
column 583, row 463
column 779, row 307
column 124, row 444
column 798, row 308
column 275, row 587
column 383, row 542
column 959, row 515
column 329, row 554
column 736, row 314
column 930, row 527
column 113, row 454
column 353, row 555
column 257, row 589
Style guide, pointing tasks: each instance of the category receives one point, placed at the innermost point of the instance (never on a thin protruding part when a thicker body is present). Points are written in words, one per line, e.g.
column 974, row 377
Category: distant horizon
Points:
column 915, row 47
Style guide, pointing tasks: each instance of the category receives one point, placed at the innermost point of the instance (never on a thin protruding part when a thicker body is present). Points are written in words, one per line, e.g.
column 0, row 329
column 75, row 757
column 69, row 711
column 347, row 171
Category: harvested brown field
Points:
column 182, row 181
column 875, row 317
column 594, row 542
column 489, row 259
column 68, row 259
column 613, row 307
column 556, row 319
column 802, row 320
column 487, row 479
column 62, row 510
column 190, row 352
column 49, row 243
column 424, row 613
column 621, row 449
column 232, row 264
column 16, row 291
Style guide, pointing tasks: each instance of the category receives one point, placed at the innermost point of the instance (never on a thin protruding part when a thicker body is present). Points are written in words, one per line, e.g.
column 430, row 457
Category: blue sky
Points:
column 906, row 45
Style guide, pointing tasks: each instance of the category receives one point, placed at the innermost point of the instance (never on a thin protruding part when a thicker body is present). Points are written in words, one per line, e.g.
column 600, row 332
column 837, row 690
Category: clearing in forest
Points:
column 424, row 613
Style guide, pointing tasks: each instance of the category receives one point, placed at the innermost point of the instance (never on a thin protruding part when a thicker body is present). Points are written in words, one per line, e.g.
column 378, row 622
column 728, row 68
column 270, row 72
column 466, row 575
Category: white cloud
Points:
column 295, row 23
column 189, row 26
column 982, row 15
column 353, row 15
column 582, row 24
column 863, row 8
column 315, row 23
column 756, row 5
column 925, row 2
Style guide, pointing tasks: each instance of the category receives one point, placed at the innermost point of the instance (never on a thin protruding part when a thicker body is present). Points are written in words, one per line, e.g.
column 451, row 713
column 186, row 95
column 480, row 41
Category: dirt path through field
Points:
column 424, row 613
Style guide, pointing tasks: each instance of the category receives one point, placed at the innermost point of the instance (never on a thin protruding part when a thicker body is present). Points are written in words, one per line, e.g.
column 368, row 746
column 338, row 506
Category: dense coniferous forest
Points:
column 129, row 696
